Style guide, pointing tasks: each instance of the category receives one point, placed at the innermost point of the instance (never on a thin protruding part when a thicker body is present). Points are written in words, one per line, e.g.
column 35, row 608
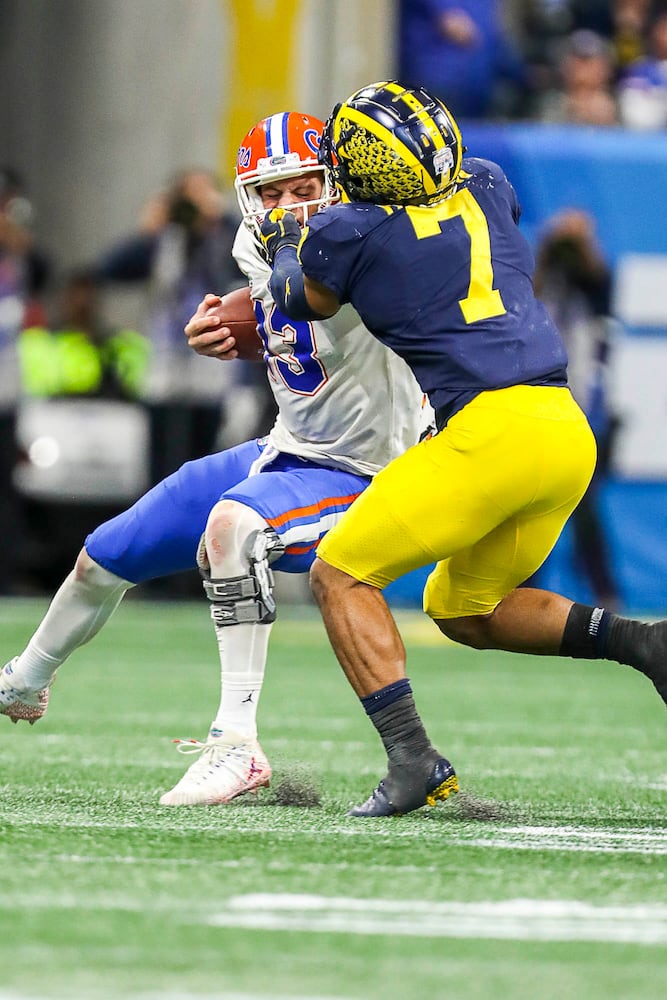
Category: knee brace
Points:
column 247, row 598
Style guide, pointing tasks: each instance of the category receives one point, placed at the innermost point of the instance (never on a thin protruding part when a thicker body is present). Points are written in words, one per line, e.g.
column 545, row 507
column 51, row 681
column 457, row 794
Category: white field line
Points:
column 493, row 836
column 516, row 919
column 566, row 838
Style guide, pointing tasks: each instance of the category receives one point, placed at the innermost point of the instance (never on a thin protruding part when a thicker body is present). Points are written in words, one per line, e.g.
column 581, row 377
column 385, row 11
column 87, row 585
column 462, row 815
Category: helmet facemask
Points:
column 279, row 148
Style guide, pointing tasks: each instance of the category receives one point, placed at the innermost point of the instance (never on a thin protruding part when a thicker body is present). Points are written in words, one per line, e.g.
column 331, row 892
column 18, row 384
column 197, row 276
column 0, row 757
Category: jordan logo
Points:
column 248, row 699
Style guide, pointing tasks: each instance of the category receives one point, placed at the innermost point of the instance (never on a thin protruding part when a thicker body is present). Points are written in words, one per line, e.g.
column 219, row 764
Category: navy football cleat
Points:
column 396, row 795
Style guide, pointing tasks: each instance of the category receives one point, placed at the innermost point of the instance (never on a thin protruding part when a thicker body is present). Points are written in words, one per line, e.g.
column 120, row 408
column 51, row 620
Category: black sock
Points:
column 584, row 636
column 393, row 712
column 596, row 634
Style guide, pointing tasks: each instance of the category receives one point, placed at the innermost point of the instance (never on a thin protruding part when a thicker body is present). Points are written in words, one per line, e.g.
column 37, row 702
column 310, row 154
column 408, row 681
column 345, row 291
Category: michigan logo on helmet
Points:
column 281, row 146
column 392, row 145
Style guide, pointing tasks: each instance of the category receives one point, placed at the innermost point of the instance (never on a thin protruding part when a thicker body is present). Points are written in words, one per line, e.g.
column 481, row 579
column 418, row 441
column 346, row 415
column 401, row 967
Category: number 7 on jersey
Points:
column 483, row 301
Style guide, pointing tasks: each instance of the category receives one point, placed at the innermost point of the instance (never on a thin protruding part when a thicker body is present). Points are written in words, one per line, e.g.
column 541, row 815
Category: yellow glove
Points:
column 279, row 229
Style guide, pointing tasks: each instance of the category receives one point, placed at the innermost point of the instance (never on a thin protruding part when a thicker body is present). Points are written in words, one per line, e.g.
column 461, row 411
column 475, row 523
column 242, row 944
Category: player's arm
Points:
column 295, row 294
column 206, row 333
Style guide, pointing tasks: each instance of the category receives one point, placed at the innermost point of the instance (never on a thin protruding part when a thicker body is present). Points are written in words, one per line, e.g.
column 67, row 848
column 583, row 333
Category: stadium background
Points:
column 546, row 875
column 103, row 101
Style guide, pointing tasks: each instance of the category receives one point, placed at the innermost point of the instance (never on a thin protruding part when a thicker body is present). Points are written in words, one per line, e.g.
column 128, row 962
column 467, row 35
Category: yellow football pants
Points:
column 486, row 499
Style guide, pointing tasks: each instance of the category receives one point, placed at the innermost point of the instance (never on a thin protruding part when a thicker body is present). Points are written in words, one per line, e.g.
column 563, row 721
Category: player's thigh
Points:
column 554, row 462
column 476, row 579
column 422, row 507
column 301, row 504
column 160, row 533
column 522, row 451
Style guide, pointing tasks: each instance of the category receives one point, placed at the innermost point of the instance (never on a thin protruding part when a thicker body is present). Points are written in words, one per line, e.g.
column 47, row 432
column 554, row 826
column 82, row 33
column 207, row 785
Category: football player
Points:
column 425, row 244
column 261, row 506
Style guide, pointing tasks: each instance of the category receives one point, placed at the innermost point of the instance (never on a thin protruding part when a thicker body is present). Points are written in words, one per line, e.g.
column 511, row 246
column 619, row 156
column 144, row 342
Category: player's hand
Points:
column 205, row 333
column 279, row 229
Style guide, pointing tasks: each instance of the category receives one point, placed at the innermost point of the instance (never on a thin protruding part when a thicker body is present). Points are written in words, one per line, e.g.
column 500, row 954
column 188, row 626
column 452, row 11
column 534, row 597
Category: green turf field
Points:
column 545, row 878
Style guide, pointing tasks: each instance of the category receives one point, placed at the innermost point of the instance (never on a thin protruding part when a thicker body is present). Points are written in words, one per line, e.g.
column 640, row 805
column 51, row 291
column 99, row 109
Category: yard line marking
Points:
column 514, row 919
column 566, row 838
column 495, row 836
column 590, row 833
column 514, row 845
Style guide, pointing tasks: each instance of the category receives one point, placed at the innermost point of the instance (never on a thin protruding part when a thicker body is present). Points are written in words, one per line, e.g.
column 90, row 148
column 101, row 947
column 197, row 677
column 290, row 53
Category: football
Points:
column 237, row 313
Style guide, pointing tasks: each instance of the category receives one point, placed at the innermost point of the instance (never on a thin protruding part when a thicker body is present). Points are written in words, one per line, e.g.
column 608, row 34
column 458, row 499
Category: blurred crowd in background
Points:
column 587, row 62
column 138, row 391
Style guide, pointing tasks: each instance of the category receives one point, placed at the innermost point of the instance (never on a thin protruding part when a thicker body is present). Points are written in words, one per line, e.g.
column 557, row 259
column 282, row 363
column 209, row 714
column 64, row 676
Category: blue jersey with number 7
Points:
column 447, row 287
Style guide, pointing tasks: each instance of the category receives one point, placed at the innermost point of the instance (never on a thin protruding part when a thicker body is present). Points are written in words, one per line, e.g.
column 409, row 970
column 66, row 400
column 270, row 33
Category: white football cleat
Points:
column 229, row 765
column 21, row 704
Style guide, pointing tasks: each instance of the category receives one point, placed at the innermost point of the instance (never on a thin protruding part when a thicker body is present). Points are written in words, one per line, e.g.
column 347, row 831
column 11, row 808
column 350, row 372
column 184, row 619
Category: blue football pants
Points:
column 160, row 533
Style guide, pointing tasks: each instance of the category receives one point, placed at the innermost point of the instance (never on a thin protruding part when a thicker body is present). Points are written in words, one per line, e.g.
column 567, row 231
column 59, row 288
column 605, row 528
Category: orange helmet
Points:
column 283, row 145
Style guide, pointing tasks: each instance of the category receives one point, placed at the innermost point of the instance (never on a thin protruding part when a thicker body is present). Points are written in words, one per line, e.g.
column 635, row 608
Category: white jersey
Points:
column 344, row 399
